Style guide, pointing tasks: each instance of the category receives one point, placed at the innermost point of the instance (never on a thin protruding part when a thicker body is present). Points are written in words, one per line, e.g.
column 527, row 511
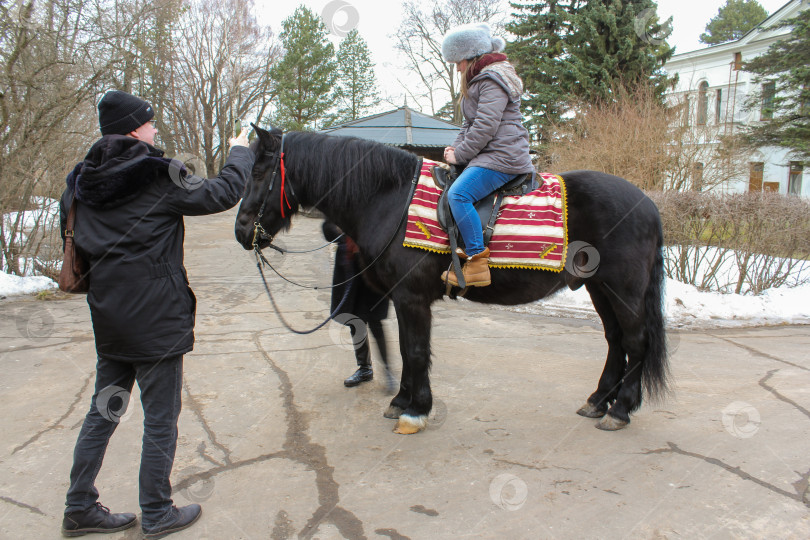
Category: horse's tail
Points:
column 655, row 367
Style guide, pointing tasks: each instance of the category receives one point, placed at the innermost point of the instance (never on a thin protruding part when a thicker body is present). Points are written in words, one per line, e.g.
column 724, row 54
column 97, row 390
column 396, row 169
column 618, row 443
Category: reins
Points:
column 278, row 311
column 259, row 233
column 282, row 250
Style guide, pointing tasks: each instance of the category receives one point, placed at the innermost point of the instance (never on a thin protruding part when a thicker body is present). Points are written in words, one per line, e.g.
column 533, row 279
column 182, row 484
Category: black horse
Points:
column 362, row 186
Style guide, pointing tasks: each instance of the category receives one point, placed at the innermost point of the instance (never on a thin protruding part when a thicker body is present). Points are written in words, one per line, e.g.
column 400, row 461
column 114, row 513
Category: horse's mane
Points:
column 346, row 170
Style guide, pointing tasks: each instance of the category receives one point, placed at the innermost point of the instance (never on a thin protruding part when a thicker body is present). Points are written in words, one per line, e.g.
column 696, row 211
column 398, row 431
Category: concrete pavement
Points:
column 273, row 446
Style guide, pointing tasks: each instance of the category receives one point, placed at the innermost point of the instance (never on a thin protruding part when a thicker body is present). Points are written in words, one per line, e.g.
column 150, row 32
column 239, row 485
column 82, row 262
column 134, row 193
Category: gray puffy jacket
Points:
column 493, row 135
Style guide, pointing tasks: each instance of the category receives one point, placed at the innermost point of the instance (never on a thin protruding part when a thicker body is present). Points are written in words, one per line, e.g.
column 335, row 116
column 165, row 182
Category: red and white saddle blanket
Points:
column 530, row 230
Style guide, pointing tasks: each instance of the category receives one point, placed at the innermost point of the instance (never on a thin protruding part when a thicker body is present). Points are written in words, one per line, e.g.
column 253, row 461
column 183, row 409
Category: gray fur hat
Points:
column 470, row 40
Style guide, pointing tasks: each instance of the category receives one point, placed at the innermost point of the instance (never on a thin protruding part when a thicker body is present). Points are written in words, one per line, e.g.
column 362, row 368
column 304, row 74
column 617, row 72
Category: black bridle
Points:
column 259, row 233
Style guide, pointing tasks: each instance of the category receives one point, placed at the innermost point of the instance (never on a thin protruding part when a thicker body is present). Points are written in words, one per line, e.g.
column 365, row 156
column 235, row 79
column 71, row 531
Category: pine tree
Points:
column 306, row 74
column 356, row 91
column 580, row 50
column 609, row 48
column 539, row 55
column 733, row 21
column 785, row 64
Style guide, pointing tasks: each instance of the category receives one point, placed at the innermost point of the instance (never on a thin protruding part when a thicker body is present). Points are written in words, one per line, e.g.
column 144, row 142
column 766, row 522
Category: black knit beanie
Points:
column 122, row 113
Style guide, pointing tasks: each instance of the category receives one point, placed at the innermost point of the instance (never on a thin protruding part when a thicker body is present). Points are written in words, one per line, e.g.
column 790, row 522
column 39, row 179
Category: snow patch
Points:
column 11, row 285
column 687, row 307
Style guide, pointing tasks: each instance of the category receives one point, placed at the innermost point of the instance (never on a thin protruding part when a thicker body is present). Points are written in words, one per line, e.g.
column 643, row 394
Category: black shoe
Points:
column 182, row 518
column 362, row 374
column 96, row 519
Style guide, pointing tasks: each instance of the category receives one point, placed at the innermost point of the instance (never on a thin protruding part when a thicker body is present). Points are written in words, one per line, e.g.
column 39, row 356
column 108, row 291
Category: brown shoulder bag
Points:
column 73, row 277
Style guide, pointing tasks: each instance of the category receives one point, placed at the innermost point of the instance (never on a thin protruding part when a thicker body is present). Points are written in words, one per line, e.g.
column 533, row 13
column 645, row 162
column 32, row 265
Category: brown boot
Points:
column 475, row 270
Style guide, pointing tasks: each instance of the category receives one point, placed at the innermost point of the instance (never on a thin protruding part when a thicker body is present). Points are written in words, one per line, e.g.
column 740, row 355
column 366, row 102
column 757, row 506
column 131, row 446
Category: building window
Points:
column 795, row 178
column 755, row 176
column 718, row 105
column 737, row 61
column 768, row 93
column 703, row 104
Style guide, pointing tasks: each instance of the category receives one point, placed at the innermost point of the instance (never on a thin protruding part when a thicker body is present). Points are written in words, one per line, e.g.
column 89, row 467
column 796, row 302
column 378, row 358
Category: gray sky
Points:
column 378, row 20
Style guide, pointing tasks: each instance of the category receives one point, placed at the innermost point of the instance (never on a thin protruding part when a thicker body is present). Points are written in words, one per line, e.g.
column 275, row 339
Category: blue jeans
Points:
column 160, row 384
column 472, row 185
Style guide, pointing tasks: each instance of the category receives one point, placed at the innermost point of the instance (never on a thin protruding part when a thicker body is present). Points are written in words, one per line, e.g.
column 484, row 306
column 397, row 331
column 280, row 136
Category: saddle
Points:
column 487, row 208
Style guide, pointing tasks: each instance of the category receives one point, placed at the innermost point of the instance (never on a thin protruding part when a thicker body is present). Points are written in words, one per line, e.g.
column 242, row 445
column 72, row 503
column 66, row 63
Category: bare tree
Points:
column 53, row 61
column 419, row 39
column 201, row 65
column 224, row 59
column 704, row 155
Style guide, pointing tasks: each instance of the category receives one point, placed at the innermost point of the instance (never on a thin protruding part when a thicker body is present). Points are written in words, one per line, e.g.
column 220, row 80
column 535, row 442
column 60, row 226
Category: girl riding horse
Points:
column 492, row 143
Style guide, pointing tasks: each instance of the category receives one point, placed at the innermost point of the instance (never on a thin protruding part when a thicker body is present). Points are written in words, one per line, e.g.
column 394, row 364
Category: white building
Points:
column 714, row 87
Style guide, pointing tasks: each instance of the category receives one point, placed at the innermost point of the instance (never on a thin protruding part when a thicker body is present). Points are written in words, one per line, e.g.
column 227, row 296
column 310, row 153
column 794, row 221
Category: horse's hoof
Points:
column 609, row 423
column 408, row 425
column 591, row 411
column 393, row 412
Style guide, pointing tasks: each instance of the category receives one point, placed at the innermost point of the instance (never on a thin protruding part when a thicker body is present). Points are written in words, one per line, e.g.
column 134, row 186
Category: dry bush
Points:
column 742, row 243
column 688, row 230
column 627, row 137
column 771, row 239
column 655, row 145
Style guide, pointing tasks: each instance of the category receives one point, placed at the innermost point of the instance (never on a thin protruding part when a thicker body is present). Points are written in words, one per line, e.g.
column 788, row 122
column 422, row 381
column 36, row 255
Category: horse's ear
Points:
column 264, row 135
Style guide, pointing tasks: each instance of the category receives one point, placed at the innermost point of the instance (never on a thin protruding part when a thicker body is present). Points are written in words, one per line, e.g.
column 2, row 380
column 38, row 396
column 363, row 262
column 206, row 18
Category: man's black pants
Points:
column 160, row 384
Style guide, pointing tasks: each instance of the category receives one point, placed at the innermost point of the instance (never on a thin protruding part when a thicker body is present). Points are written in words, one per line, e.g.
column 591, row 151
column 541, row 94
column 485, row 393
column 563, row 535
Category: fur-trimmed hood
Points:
column 116, row 169
column 505, row 75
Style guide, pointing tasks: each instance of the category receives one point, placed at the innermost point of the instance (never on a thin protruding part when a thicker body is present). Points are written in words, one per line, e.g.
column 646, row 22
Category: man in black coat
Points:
column 129, row 227
column 362, row 307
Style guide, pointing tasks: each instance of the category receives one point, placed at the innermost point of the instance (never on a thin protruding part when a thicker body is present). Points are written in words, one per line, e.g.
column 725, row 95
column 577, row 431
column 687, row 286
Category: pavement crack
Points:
column 223, row 340
column 518, row 464
column 283, row 527
column 306, row 349
column 781, row 397
column 58, row 423
column 195, row 406
column 757, row 352
column 77, row 339
column 392, row 534
column 299, row 447
column 233, row 465
column 28, row 507
column 802, row 485
column 737, row 471
column 419, row 509
column 539, row 467
column 203, row 454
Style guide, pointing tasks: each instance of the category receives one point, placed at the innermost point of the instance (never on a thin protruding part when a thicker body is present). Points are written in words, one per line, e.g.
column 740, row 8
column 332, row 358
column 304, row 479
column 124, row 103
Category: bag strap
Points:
column 71, row 218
